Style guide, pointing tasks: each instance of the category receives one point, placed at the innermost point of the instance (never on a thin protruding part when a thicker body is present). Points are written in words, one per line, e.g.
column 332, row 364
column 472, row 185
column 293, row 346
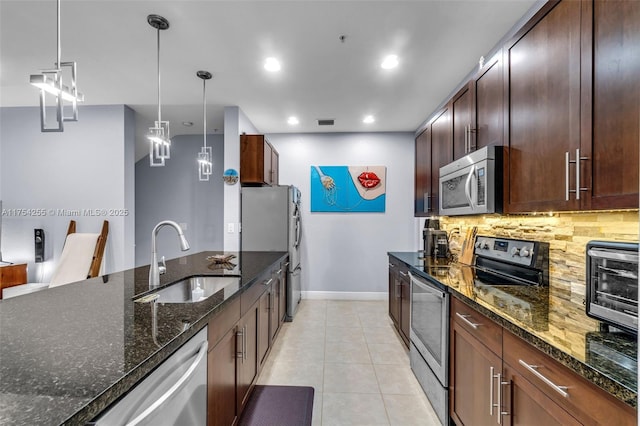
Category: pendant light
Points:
column 50, row 81
column 205, row 166
column 159, row 137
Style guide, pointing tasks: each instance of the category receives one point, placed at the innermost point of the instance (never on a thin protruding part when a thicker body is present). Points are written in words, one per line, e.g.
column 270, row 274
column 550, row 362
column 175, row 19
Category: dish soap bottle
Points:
column 197, row 293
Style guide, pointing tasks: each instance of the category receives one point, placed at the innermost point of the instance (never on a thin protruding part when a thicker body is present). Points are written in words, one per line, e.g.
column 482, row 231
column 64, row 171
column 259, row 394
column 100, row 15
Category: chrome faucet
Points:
column 154, row 269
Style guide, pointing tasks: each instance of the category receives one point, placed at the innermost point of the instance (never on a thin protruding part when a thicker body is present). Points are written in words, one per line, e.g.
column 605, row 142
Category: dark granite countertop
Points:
column 552, row 320
column 68, row 352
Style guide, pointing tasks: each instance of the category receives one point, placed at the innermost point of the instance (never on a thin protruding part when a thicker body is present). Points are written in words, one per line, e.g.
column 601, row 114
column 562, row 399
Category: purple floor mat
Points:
column 278, row 406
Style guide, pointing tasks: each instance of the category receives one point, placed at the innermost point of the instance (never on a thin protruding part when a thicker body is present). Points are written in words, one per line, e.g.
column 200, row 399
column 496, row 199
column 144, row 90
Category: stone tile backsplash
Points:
column 566, row 233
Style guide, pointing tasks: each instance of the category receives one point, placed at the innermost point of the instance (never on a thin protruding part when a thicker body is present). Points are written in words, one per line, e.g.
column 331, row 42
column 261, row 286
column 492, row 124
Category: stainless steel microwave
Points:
column 472, row 184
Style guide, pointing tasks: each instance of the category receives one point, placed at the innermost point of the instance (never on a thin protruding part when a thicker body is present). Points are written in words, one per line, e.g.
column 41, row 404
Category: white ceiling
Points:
column 438, row 43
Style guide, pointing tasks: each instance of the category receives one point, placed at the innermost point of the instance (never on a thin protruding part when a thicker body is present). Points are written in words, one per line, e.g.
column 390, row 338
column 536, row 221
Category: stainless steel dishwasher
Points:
column 175, row 393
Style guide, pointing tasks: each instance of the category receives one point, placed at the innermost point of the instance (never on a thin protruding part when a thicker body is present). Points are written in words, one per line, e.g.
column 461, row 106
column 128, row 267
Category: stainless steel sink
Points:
column 180, row 292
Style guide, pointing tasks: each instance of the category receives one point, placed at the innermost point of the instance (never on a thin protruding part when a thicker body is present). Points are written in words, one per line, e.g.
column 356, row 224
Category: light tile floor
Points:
column 352, row 356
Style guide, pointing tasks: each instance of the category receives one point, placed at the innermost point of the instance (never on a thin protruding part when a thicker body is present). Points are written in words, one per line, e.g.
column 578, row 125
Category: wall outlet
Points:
column 231, row 228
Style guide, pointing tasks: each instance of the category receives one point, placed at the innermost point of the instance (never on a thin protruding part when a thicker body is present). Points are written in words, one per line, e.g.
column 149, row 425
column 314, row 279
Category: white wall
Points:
column 88, row 166
column 235, row 123
column 174, row 192
column 347, row 252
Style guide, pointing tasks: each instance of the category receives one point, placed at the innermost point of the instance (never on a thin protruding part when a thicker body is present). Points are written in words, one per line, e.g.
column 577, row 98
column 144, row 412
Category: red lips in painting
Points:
column 369, row 180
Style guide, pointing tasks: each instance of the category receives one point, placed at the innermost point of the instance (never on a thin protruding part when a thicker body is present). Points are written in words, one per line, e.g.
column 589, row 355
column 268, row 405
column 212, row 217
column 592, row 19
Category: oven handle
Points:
column 606, row 254
column 467, row 186
column 426, row 286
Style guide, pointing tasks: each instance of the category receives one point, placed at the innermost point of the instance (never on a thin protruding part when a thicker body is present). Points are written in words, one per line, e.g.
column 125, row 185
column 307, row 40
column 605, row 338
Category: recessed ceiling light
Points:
column 389, row 62
column 368, row 119
column 272, row 65
column 293, row 121
column 187, row 123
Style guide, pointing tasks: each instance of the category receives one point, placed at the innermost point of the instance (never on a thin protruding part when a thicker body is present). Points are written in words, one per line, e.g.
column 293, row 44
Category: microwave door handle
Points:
column 467, row 186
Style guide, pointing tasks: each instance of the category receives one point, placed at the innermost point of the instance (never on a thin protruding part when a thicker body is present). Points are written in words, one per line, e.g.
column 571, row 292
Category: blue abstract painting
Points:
column 348, row 189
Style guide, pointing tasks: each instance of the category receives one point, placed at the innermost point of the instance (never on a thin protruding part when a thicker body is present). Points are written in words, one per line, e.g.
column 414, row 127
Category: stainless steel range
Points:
column 500, row 263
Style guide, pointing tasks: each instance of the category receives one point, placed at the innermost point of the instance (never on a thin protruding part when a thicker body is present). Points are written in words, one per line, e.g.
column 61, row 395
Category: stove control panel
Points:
column 520, row 252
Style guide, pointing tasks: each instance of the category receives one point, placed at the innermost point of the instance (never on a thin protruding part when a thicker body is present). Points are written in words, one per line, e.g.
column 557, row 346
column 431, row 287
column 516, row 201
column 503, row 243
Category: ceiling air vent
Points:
column 326, row 122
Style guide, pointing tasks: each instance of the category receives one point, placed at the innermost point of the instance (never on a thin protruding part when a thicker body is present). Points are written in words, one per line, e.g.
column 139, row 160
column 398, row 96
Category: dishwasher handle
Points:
column 168, row 394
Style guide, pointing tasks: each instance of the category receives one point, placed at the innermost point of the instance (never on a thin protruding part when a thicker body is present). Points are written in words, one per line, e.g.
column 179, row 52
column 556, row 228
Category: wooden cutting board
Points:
column 466, row 255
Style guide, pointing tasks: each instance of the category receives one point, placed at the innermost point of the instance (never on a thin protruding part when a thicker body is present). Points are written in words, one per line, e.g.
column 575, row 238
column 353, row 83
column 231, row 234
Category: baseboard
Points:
column 344, row 295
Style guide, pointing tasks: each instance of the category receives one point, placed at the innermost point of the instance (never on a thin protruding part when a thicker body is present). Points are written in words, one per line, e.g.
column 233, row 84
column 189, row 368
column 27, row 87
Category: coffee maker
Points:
column 435, row 240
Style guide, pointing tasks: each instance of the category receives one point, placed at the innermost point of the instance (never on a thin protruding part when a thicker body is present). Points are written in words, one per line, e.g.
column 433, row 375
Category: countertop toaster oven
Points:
column 612, row 283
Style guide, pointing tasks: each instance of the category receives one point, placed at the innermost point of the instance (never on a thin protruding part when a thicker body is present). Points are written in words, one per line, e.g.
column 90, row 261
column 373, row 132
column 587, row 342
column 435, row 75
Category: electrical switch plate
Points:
column 230, row 228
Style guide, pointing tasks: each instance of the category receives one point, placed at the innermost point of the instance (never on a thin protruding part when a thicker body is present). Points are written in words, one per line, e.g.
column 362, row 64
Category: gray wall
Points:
column 174, row 192
column 345, row 254
column 88, row 166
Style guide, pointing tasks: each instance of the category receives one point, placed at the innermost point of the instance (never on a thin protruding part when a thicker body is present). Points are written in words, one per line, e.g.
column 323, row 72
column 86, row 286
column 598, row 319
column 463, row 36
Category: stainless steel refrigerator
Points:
column 271, row 222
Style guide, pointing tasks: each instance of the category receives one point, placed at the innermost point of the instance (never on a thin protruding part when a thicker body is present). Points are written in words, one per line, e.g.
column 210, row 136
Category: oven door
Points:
column 430, row 325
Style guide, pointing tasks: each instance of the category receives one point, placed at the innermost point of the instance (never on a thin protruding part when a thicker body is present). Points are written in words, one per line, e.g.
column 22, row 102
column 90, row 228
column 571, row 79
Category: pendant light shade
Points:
column 205, row 165
column 50, row 81
column 159, row 135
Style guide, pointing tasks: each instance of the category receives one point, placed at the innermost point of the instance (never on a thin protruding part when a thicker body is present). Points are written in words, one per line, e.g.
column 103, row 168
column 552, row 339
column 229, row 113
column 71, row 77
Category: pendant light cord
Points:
column 204, row 109
column 159, row 104
column 59, row 53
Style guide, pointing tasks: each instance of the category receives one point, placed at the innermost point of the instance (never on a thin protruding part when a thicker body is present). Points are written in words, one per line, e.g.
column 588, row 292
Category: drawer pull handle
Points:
column 464, row 318
column 403, row 274
column 534, row 369
column 266, row 283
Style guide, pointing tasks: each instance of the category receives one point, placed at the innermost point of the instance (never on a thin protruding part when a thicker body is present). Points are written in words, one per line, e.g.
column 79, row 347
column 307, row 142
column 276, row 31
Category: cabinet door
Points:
column 462, row 113
column 543, row 65
column 524, row 404
column 247, row 365
column 473, row 387
column 274, row 317
column 394, row 293
column 267, row 170
column 405, row 306
column 612, row 155
column 441, row 154
column 422, row 183
column 221, row 377
column 263, row 326
column 489, row 99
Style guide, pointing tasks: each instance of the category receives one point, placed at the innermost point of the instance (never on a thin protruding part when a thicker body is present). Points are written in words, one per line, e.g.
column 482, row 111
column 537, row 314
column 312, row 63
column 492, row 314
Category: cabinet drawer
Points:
column 480, row 327
column 585, row 401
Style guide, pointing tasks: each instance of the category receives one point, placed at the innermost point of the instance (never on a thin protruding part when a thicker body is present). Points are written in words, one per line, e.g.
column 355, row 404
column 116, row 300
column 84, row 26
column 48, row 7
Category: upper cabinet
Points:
column 611, row 104
column 434, row 149
column 563, row 96
column 574, row 108
column 543, row 86
column 258, row 161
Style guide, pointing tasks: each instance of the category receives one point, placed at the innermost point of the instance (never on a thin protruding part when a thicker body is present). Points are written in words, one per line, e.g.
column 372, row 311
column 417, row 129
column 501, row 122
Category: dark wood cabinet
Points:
column 247, row 364
column 259, row 161
column 463, row 122
column 221, row 379
column 400, row 298
column 264, row 320
column 282, row 295
column 543, row 84
column 474, row 367
column 433, row 150
column 611, row 104
column 441, row 153
column 489, row 104
column 422, row 183
column 497, row 377
column 533, row 407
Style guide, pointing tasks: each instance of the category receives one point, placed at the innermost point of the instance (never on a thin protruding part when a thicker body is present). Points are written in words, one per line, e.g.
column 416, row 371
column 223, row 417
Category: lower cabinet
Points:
column 498, row 378
column 400, row 298
column 240, row 337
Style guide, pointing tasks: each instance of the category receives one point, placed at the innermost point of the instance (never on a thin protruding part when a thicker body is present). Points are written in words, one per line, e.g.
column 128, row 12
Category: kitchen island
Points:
column 550, row 319
column 68, row 352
